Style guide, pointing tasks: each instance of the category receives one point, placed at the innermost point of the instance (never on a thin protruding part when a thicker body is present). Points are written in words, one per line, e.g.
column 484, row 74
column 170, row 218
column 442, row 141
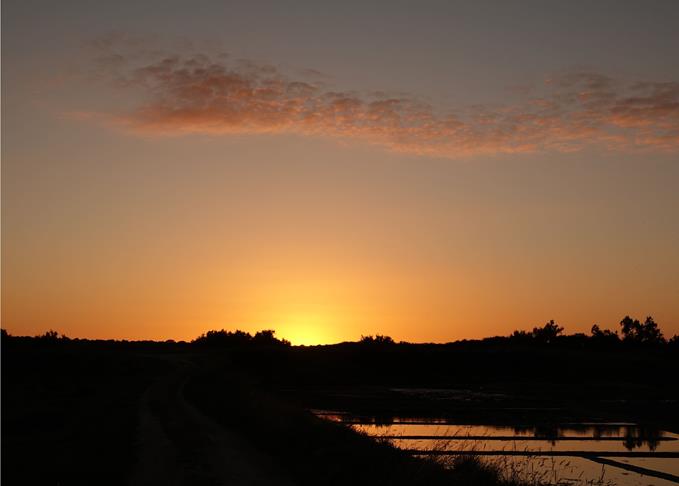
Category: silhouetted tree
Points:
column 630, row 328
column 651, row 332
column 50, row 335
column 548, row 333
column 634, row 331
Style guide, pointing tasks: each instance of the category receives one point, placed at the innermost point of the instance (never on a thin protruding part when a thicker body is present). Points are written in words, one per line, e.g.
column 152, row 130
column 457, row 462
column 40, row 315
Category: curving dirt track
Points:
column 178, row 445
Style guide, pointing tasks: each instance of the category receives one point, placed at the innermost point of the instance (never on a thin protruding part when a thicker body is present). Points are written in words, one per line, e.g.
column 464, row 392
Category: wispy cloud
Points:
column 198, row 93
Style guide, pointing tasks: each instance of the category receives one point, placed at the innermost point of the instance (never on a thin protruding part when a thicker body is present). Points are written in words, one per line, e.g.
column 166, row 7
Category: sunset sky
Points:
column 428, row 170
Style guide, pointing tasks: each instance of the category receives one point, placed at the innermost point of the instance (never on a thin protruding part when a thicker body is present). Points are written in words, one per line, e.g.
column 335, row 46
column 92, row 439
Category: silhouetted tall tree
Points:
column 634, row 331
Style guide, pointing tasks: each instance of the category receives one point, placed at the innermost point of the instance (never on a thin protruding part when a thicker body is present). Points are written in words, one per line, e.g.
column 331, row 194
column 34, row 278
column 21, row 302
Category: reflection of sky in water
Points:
column 670, row 466
column 603, row 438
column 578, row 471
column 622, row 437
column 618, row 436
column 511, row 445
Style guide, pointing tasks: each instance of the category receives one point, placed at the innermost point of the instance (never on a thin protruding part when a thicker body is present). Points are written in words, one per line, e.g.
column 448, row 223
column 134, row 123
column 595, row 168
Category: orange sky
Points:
column 371, row 174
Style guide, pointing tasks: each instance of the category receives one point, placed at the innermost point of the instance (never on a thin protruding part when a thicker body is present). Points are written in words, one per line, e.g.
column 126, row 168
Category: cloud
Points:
column 197, row 93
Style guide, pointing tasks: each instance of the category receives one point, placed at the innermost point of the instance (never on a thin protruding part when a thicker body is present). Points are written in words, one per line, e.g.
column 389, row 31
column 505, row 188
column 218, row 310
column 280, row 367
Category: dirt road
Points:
column 178, row 445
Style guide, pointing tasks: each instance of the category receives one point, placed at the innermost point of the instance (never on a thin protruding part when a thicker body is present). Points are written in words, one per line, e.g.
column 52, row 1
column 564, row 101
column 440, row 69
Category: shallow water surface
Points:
column 579, row 453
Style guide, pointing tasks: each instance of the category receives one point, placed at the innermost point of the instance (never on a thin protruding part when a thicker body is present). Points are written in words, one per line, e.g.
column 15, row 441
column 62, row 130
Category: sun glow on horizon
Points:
column 307, row 329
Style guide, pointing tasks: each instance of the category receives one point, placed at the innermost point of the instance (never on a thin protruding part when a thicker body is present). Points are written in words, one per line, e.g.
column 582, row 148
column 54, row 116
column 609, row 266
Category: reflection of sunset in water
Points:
column 427, row 434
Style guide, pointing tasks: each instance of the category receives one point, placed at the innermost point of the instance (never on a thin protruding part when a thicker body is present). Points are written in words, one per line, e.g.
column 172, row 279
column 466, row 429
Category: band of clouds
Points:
column 202, row 94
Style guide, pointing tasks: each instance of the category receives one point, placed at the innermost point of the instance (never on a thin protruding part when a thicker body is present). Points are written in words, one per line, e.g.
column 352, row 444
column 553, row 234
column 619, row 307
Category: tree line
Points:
column 632, row 332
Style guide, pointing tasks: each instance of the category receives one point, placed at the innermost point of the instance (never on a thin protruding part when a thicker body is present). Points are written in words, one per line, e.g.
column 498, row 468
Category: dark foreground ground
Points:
column 95, row 412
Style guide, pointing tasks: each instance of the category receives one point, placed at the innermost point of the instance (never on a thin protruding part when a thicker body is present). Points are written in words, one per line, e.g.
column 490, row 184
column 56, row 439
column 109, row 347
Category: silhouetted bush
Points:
column 521, row 337
column 239, row 338
column 377, row 340
column 267, row 337
column 546, row 334
column 50, row 336
column 605, row 337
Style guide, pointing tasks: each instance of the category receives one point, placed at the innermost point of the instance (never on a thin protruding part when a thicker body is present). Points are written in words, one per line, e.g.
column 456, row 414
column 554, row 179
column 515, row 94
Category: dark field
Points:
column 230, row 411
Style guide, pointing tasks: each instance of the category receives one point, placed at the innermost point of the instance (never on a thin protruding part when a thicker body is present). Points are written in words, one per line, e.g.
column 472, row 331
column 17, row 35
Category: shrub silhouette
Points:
column 377, row 340
column 239, row 338
column 267, row 337
column 604, row 337
column 50, row 335
column 546, row 334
